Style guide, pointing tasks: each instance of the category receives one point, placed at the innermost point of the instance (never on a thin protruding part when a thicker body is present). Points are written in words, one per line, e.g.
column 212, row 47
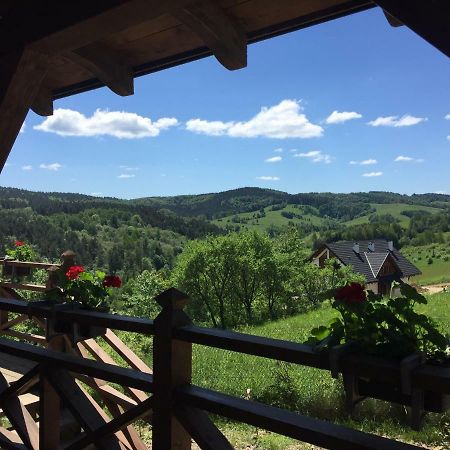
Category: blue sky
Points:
column 349, row 105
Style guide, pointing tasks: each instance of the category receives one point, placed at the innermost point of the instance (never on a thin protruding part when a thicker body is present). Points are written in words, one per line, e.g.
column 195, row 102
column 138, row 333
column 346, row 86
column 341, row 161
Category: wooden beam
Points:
column 99, row 22
column 429, row 19
column 393, row 22
column 220, row 32
column 20, row 77
column 10, row 440
column 107, row 65
column 43, row 102
column 20, row 418
column 201, row 428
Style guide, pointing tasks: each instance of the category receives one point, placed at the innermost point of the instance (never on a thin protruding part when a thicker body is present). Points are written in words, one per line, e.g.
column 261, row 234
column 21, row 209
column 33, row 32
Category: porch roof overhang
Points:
column 52, row 49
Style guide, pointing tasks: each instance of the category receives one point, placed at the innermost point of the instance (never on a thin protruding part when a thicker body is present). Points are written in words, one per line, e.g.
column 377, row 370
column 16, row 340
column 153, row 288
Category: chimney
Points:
column 391, row 246
column 356, row 247
column 371, row 247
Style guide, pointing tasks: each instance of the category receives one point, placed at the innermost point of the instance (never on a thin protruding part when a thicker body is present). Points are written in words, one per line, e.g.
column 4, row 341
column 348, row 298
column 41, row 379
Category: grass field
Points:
column 395, row 210
column 250, row 221
column 433, row 260
column 310, row 391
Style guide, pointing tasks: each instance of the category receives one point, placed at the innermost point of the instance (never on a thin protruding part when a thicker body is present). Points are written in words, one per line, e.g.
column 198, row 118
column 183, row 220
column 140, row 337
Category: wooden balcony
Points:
column 59, row 394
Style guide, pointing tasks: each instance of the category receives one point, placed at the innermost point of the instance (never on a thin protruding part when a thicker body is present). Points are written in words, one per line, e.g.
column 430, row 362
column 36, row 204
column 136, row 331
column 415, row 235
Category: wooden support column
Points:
column 21, row 74
column 172, row 366
column 50, row 405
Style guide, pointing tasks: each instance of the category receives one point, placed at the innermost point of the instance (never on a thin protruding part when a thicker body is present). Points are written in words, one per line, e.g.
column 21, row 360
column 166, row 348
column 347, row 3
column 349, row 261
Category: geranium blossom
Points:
column 74, row 272
column 112, row 281
column 352, row 293
column 19, row 243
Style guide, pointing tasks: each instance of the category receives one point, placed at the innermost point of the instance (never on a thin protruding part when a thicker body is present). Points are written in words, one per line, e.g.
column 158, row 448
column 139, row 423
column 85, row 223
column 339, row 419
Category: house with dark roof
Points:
column 378, row 261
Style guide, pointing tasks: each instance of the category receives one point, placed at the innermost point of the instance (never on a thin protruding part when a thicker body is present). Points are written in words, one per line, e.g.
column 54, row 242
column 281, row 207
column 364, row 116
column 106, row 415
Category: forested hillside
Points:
column 129, row 236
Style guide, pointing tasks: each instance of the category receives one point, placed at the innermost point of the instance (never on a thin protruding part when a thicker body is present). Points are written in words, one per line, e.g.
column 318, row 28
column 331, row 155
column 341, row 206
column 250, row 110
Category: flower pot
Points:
column 20, row 272
column 75, row 331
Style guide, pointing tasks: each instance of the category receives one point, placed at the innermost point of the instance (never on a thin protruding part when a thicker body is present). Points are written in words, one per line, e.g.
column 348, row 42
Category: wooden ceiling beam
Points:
column 43, row 102
column 220, row 32
column 20, row 78
column 428, row 18
column 127, row 14
column 106, row 65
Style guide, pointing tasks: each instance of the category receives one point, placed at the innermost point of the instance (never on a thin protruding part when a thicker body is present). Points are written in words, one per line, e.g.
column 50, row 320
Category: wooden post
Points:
column 49, row 405
column 172, row 366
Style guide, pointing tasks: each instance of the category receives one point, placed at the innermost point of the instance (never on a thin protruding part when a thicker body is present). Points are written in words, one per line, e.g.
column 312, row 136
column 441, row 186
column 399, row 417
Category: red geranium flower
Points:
column 112, row 281
column 74, row 272
column 352, row 293
column 19, row 243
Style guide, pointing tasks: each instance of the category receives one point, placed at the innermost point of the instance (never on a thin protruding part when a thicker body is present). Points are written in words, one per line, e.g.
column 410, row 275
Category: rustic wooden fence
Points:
column 165, row 397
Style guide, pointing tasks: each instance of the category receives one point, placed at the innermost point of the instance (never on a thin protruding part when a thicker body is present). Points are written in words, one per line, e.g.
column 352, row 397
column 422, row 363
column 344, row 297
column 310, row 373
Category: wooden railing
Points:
column 177, row 410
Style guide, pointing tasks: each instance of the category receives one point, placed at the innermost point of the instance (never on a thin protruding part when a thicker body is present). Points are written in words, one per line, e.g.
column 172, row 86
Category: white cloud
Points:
column 96, row 194
column 129, row 169
column 268, row 178
column 54, row 166
column 22, row 128
column 341, row 117
column 441, row 192
column 278, row 150
column 448, row 137
column 447, row 116
column 395, row 121
column 281, row 121
column 28, row 167
column 365, row 162
column 372, row 174
column 126, row 175
column 274, row 159
column 315, row 156
column 119, row 124
column 402, row 158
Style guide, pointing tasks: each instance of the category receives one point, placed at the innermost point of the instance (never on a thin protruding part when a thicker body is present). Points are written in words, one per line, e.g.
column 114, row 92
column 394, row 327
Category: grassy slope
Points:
column 438, row 271
column 317, row 393
column 395, row 210
column 272, row 218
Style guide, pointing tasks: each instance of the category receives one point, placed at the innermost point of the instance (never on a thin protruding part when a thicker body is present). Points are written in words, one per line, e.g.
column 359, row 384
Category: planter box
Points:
column 75, row 331
column 9, row 271
column 390, row 380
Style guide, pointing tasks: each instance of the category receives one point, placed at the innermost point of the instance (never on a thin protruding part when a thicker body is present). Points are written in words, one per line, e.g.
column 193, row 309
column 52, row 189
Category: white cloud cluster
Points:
column 395, row 121
column 274, row 159
column 119, row 124
column 27, row 167
column 268, row 178
column 315, row 156
column 54, row 167
column 281, row 121
column 372, row 174
column 126, row 175
column 365, row 162
column 402, row 158
column 341, row 117
column 447, row 116
column 278, row 150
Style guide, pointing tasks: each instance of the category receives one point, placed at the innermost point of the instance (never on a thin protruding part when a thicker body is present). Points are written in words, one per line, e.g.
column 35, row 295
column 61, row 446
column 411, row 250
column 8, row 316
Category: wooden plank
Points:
column 108, row 372
column 306, row 429
column 49, row 414
column 428, row 19
column 30, row 264
column 21, row 385
column 24, row 286
column 81, row 406
column 13, row 322
column 10, row 440
column 201, row 428
column 100, row 355
column 125, row 352
column 20, row 418
column 25, row 336
column 219, row 31
column 117, row 423
column 106, row 64
column 17, row 93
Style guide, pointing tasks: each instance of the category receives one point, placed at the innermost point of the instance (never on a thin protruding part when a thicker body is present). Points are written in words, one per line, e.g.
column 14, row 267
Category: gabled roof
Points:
column 367, row 262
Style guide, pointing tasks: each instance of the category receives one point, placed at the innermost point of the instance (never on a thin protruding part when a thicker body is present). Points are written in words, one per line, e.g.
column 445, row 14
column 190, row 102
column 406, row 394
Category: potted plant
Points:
column 80, row 290
column 384, row 330
column 21, row 251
